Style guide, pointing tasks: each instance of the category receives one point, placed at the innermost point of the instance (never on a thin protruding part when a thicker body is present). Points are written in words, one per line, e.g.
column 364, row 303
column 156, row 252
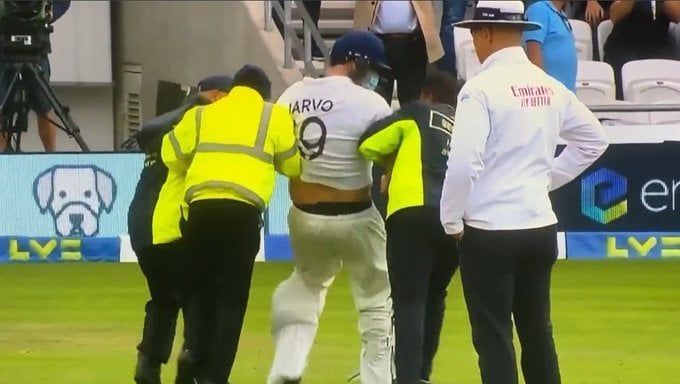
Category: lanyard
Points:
column 565, row 20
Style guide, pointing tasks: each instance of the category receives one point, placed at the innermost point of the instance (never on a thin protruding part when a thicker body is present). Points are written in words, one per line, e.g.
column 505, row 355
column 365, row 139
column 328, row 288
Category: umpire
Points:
column 501, row 168
column 153, row 222
column 229, row 151
column 413, row 143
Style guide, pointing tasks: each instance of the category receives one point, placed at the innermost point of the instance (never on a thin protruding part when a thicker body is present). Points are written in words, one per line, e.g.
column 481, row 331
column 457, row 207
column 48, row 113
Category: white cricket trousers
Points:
column 321, row 246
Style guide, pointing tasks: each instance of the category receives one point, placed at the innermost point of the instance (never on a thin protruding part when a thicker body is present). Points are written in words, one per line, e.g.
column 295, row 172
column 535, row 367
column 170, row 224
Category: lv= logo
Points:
column 70, row 249
column 669, row 246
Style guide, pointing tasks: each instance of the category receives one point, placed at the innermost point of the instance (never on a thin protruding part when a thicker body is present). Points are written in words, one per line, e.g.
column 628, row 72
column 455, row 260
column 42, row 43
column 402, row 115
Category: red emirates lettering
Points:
column 536, row 101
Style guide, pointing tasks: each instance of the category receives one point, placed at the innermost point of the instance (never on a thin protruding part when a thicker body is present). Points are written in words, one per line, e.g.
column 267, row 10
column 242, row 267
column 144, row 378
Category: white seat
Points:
column 650, row 81
column 462, row 38
column 595, row 83
column 583, row 35
column 623, row 118
column 656, row 118
column 603, row 32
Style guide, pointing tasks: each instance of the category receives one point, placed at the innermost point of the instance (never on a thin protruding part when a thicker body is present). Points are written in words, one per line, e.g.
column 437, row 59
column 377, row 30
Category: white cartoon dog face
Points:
column 75, row 197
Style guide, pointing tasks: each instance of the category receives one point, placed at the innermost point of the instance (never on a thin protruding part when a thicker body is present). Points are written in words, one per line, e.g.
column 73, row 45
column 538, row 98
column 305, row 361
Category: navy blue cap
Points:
column 215, row 83
column 360, row 45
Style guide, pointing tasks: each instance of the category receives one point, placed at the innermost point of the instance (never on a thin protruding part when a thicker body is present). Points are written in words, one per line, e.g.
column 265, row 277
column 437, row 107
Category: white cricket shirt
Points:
column 502, row 162
column 395, row 17
column 330, row 116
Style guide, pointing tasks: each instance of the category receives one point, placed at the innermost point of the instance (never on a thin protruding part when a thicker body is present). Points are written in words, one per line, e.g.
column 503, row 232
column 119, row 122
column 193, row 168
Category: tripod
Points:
column 14, row 106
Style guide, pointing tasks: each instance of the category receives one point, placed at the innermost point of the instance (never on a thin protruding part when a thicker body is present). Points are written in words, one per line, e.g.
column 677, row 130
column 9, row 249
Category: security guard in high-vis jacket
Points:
column 413, row 144
column 229, row 151
column 153, row 223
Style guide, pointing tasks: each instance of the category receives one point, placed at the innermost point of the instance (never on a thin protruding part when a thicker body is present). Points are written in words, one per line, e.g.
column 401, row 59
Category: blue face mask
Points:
column 371, row 81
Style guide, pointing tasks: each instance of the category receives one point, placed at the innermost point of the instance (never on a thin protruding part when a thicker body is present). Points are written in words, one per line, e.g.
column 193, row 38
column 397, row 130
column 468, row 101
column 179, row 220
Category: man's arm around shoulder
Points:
column 382, row 138
column 180, row 143
column 287, row 160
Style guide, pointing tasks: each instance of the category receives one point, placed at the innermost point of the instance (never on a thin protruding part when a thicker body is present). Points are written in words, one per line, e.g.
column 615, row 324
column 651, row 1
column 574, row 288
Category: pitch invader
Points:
column 333, row 222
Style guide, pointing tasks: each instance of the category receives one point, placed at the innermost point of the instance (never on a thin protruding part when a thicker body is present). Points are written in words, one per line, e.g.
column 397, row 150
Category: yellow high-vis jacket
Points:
column 155, row 211
column 418, row 136
column 231, row 148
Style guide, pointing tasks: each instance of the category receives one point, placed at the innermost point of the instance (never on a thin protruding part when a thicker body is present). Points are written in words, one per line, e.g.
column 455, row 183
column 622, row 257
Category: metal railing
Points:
column 622, row 110
column 602, row 108
column 291, row 42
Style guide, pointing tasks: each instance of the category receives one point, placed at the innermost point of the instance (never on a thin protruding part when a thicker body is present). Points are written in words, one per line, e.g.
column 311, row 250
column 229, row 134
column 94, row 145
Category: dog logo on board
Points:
column 75, row 197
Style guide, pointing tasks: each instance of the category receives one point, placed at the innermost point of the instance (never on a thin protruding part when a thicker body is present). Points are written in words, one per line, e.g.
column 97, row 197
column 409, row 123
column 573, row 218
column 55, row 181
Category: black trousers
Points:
column 162, row 267
column 506, row 274
column 407, row 55
column 421, row 260
column 224, row 236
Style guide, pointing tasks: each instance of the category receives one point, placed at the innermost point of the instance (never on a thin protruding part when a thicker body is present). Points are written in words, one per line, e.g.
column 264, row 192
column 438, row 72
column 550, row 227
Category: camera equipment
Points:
column 24, row 44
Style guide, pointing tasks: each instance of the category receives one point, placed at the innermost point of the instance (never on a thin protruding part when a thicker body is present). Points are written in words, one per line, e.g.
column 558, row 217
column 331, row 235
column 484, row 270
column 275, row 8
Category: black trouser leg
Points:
column 160, row 265
column 413, row 255
column 277, row 20
column 407, row 55
column 313, row 7
column 532, row 311
column 445, row 264
column 225, row 236
column 409, row 261
column 487, row 272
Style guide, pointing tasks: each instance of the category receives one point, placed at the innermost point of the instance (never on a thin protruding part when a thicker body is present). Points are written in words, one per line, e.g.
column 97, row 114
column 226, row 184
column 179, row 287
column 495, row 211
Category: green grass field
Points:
column 615, row 322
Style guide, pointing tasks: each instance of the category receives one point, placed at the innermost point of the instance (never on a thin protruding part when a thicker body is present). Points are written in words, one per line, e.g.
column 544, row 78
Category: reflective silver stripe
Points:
column 199, row 112
column 176, row 147
column 242, row 191
column 264, row 125
column 287, row 154
column 235, row 148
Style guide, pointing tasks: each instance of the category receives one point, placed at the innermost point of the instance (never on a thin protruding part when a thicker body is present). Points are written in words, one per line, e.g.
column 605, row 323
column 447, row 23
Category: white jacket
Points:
column 502, row 162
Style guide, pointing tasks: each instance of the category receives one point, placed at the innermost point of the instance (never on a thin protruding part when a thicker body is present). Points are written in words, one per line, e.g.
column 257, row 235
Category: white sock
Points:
column 293, row 344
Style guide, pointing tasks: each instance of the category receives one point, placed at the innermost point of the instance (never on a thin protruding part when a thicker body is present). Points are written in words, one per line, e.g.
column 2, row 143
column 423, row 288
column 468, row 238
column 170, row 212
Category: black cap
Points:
column 215, row 83
column 254, row 77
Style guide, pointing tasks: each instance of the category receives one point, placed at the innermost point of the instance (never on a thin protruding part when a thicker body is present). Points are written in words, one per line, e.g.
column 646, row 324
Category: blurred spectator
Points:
column 313, row 7
column 593, row 12
column 552, row 47
column 640, row 32
column 453, row 11
column 411, row 38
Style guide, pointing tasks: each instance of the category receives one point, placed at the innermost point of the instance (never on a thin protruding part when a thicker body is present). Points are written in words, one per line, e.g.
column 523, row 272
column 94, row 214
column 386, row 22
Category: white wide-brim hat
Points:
column 499, row 12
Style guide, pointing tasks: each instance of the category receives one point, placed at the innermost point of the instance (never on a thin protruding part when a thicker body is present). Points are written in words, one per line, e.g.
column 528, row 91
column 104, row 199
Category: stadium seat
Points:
column 595, row 83
column 665, row 117
column 603, row 32
column 650, row 81
column 463, row 39
column 583, row 35
column 623, row 118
